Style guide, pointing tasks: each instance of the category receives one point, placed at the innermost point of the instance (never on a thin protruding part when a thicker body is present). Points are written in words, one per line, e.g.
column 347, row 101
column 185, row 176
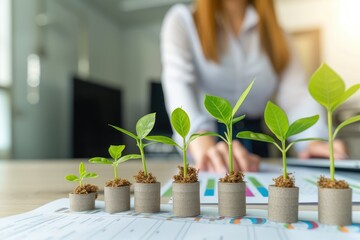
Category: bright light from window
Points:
column 5, row 46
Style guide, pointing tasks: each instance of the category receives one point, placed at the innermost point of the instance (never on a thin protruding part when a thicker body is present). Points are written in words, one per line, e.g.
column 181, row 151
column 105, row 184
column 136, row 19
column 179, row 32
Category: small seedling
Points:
column 143, row 128
column 224, row 113
column 82, row 175
column 328, row 89
column 278, row 123
column 180, row 121
column 115, row 152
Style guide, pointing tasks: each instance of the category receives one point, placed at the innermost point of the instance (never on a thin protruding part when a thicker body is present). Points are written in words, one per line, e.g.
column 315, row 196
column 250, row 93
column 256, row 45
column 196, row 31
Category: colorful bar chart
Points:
column 210, row 187
column 263, row 191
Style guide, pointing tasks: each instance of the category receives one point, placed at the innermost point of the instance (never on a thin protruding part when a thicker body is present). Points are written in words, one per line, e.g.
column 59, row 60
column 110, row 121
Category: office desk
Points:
column 28, row 184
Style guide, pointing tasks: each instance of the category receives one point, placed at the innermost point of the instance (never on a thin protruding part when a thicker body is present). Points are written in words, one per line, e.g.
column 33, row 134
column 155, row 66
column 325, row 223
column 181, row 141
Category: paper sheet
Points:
column 257, row 186
column 54, row 221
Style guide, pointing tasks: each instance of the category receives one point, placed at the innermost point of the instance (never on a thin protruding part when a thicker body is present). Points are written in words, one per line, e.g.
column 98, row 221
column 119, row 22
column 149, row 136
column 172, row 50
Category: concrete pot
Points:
column 147, row 197
column 283, row 204
column 186, row 199
column 232, row 201
column 117, row 199
column 82, row 202
column 335, row 206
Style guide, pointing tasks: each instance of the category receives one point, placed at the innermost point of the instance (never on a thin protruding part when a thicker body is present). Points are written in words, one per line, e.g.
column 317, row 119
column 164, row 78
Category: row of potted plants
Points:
column 335, row 197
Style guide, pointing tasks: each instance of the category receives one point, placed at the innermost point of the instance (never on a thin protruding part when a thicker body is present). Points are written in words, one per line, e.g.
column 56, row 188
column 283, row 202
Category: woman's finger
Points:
column 217, row 160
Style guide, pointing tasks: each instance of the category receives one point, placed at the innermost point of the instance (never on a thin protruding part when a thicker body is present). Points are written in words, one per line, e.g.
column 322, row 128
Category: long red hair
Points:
column 271, row 35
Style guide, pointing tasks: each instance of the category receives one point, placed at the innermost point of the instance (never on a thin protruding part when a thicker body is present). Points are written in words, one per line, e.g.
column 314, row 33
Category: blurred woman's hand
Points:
column 319, row 149
column 215, row 157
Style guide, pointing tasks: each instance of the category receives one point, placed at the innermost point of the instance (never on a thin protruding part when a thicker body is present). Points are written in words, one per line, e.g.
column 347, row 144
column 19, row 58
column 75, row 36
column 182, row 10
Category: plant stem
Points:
column 80, row 183
column 231, row 164
column 141, row 147
column 331, row 145
column 184, row 157
column 115, row 171
column 283, row 151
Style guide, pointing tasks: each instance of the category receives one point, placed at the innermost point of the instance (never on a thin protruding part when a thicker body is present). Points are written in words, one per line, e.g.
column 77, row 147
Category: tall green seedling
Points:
column 180, row 122
column 224, row 113
column 115, row 152
column 278, row 123
column 143, row 127
column 83, row 174
column 328, row 89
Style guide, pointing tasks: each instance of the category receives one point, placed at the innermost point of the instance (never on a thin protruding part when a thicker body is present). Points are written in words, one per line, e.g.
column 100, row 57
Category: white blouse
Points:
column 187, row 75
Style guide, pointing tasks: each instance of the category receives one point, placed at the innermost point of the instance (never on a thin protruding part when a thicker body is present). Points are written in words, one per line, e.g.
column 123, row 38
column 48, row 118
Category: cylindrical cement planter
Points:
column 283, row 204
column 232, row 201
column 335, row 206
column 147, row 197
column 186, row 199
column 117, row 199
column 82, row 202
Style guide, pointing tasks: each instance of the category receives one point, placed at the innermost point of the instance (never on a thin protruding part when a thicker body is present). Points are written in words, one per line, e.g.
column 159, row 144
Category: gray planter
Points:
column 147, row 197
column 283, row 204
column 117, row 199
column 82, row 202
column 335, row 206
column 186, row 199
column 232, row 201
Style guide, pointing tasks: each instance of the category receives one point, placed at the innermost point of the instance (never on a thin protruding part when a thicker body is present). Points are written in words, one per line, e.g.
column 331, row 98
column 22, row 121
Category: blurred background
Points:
column 70, row 67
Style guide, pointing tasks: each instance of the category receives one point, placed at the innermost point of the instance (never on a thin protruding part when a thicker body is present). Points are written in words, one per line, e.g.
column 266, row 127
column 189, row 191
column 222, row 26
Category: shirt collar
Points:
column 251, row 18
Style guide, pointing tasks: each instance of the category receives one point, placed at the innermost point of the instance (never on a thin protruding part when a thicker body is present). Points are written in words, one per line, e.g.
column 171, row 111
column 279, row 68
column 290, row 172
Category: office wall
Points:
column 42, row 130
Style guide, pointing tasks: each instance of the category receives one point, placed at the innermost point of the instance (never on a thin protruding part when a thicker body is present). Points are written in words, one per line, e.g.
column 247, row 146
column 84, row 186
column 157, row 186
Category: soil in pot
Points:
column 283, row 200
column 335, row 202
column 117, row 195
column 83, row 198
column 186, row 196
column 147, row 193
column 231, row 195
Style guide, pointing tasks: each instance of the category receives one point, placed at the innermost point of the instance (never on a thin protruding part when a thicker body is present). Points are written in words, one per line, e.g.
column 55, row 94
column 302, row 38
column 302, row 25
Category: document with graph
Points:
column 257, row 187
column 55, row 221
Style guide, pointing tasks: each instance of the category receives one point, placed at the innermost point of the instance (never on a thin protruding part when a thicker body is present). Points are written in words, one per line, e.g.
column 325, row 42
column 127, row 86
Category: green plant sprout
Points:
column 328, row 89
column 224, row 113
column 143, row 127
column 115, row 152
column 278, row 123
column 82, row 175
column 180, row 121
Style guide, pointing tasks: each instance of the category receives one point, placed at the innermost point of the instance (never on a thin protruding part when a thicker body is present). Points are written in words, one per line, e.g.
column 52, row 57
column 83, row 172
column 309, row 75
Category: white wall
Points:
column 43, row 130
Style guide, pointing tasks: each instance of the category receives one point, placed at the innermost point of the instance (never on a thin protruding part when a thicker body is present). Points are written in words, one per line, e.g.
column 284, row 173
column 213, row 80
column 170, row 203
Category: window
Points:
column 5, row 78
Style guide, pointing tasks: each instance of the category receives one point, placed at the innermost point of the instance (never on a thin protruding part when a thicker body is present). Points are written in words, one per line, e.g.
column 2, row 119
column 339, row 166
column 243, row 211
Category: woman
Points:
column 217, row 48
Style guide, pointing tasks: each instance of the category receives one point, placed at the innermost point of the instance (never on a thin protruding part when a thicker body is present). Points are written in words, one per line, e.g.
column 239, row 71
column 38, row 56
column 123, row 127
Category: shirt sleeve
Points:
column 179, row 78
column 293, row 96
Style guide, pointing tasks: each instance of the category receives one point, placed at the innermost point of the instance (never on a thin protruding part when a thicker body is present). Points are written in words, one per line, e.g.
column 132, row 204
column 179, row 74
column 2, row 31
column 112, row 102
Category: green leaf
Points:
column 276, row 120
column 128, row 157
column 145, row 125
column 242, row 98
column 162, row 139
column 180, row 122
column 100, row 160
column 301, row 125
column 90, row 175
column 116, row 151
column 81, row 168
column 255, row 136
column 124, row 131
column 345, row 123
column 346, row 95
column 72, row 178
column 238, row 119
column 303, row 140
column 326, row 86
column 219, row 108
